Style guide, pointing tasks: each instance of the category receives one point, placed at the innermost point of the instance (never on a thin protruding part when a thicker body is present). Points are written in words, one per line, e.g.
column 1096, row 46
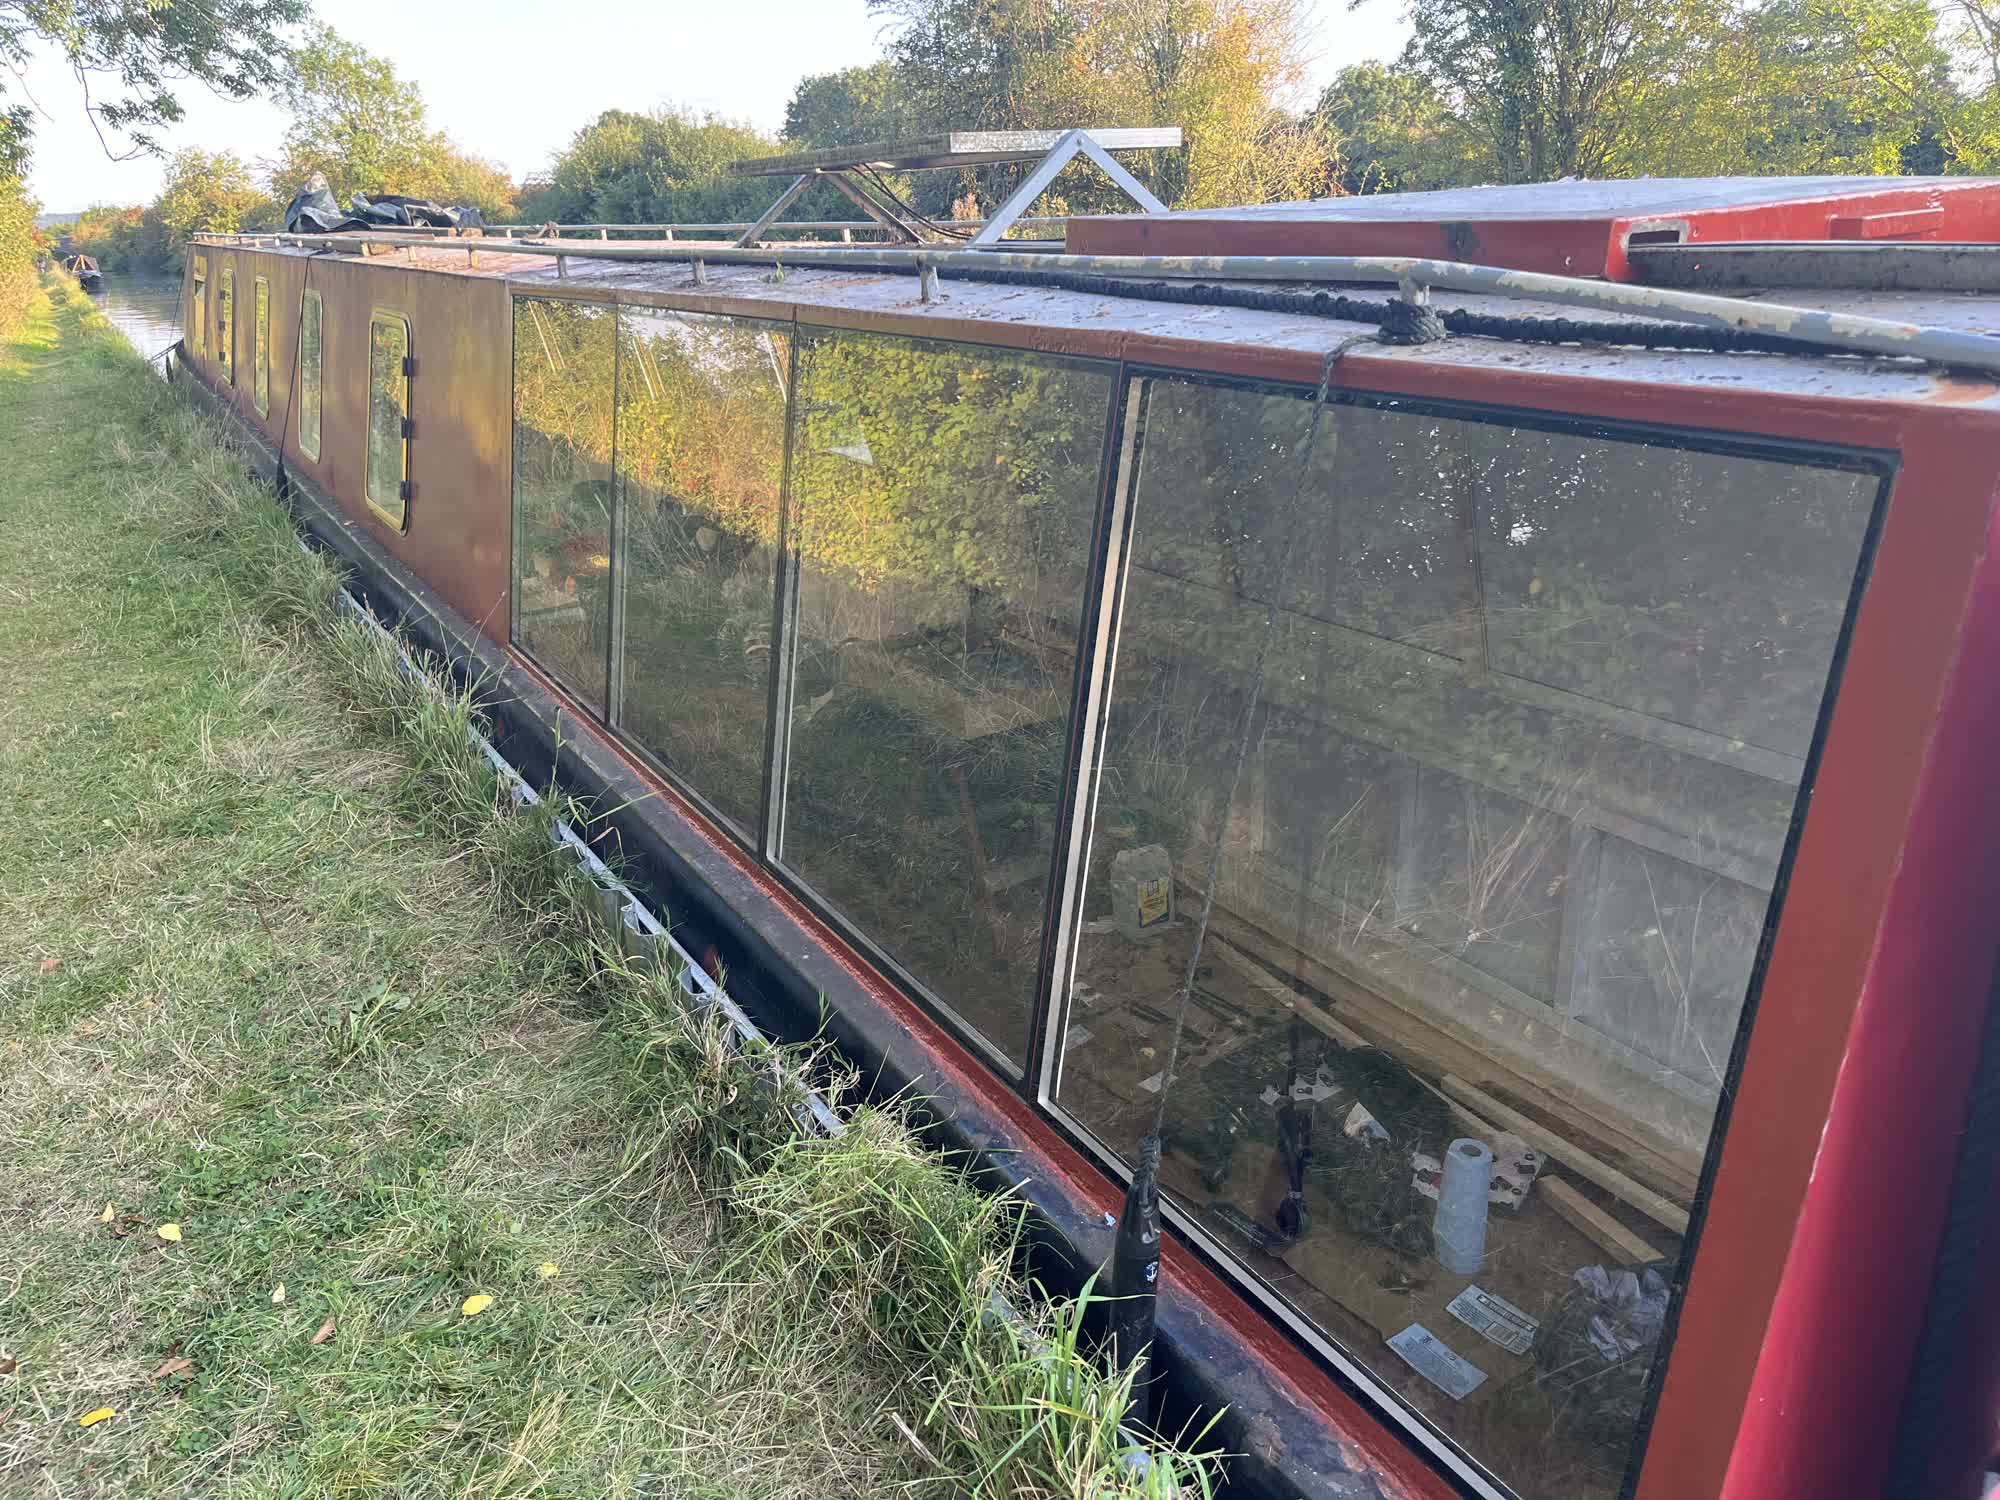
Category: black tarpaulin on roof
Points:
column 313, row 210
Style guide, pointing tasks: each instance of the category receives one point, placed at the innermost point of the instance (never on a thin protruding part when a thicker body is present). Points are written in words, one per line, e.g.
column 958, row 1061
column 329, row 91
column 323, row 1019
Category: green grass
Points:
column 277, row 965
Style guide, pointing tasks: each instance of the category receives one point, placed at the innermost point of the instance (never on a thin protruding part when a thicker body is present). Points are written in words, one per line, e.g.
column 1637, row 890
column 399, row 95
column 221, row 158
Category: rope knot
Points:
column 1407, row 322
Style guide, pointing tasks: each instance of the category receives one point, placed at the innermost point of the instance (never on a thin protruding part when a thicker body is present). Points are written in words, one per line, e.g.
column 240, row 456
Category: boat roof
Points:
column 1572, row 227
column 1060, row 320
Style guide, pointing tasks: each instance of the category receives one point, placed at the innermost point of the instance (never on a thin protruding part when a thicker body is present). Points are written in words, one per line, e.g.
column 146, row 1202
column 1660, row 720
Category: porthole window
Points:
column 309, row 375
column 389, row 417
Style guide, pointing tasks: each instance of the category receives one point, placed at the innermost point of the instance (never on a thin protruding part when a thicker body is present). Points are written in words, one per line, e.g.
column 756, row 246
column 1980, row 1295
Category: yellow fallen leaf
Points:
column 278, row 1293
column 325, row 1332
column 110, row 1213
column 92, row 1418
column 472, row 1307
column 547, row 1269
column 171, row 1233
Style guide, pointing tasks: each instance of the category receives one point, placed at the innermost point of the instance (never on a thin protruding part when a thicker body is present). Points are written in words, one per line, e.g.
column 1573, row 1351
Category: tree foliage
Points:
column 667, row 165
column 1527, row 90
column 366, row 128
column 18, row 245
column 210, row 191
column 866, row 103
column 1225, row 71
column 146, row 49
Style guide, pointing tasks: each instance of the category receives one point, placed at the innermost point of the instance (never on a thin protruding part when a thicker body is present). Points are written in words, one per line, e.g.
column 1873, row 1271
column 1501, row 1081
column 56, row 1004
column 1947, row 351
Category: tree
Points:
column 1225, row 71
column 856, row 104
column 355, row 120
column 18, row 244
column 1558, row 88
column 663, row 167
column 231, row 46
column 1391, row 131
column 207, row 191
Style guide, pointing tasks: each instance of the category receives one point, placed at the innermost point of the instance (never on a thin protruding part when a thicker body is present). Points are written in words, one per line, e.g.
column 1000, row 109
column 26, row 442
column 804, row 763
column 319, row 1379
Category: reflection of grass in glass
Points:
column 695, row 674
column 697, row 649
column 877, row 818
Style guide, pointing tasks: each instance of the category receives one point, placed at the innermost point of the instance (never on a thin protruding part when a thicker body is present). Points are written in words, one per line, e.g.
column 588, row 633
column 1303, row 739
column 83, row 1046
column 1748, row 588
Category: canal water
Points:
column 146, row 309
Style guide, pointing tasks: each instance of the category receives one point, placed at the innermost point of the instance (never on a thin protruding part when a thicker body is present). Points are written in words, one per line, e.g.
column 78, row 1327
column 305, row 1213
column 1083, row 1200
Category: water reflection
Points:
column 146, row 309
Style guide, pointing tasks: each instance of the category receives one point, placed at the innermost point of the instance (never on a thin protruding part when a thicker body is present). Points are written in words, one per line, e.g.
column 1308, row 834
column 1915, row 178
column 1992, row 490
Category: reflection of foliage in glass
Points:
column 261, row 346
column 198, row 305
column 1519, row 769
column 563, row 423
column 225, row 323
column 701, row 444
column 944, row 466
column 388, row 405
column 943, row 503
column 309, row 375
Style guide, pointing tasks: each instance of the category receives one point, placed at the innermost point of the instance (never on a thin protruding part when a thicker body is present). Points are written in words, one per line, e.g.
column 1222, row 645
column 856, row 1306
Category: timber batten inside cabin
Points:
column 944, row 613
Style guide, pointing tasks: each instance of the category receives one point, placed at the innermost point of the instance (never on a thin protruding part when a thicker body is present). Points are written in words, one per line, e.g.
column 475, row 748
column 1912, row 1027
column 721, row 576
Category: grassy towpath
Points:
column 252, row 984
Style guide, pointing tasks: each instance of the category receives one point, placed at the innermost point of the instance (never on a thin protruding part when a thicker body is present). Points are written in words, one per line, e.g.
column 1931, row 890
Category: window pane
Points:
column 945, row 500
column 198, row 306
column 309, row 376
column 262, row 345
column 388, row 406
column 1517, row 779
column 701, row 458
column 225, row 324
column 564, row 372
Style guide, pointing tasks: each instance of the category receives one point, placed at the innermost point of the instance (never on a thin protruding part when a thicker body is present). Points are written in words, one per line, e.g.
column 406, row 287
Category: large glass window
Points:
column 701, row 459
column 261, row 349
column 564, row 383
column 225, row 324
column 309, row 375
column 1498, row 832
column 944, row 500
column 198, row 308
column 388, row 477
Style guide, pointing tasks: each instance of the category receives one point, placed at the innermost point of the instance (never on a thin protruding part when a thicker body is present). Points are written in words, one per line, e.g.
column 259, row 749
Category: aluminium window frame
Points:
column 225, row 328
column 1231, row 1261
column 1020, row 1075
column 385, row 313
column 313, row 378
column 198, row 302
column 260, row 345
column 606, row 711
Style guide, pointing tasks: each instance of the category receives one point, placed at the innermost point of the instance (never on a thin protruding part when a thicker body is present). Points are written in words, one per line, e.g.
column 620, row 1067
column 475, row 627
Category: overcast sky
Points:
column 512, row 80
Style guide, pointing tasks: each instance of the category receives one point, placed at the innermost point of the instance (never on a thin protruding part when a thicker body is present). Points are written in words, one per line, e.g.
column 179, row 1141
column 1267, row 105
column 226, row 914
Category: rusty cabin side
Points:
column 460, row 450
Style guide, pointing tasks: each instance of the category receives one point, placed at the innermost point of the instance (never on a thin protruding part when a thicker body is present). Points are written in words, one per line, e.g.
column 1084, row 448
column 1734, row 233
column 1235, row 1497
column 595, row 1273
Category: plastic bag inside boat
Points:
column 314, row 210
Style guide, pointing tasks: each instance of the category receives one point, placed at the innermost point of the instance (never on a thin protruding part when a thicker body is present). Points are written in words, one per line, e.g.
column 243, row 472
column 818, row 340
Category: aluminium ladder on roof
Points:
column 1050, row 150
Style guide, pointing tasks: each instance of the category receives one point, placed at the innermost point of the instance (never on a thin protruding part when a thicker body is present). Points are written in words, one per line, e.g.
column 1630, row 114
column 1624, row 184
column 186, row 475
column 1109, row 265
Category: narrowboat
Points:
column 86, row 271
column 1470, row 715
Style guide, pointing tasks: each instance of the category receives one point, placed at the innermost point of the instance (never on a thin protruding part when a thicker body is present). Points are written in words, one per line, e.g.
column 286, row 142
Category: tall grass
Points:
column 878, row 1248
column 17, row 251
